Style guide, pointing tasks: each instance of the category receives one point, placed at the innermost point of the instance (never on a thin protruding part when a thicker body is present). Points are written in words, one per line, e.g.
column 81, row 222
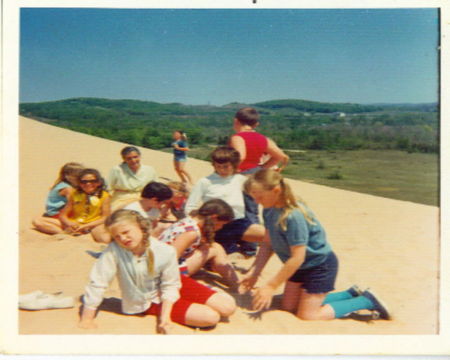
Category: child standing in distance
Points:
column 241, row 233
column 309, row 264
column 57, row 198
column 87, row 207
column 193, row 239
column 153, row 202
column 148, row 276
column 180, row 148
column 252, row 146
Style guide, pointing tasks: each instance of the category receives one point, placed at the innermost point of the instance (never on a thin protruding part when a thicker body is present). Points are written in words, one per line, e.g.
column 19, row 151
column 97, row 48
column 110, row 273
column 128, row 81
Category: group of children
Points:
column 156, row 243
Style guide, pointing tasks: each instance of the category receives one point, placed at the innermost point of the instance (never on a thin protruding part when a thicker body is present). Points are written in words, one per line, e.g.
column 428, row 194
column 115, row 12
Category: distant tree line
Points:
column 293, row 124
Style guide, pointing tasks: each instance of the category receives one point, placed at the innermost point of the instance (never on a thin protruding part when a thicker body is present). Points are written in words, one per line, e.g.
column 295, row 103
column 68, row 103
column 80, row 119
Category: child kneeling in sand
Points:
column 309, row 264
column 149, row 279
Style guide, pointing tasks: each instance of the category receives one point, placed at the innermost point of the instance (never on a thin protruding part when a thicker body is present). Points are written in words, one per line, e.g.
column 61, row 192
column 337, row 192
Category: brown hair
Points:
column 269, row 179
column 247, row 116
column 217, row 207
column 226, row 154
column 68, row 169
column 143, row 223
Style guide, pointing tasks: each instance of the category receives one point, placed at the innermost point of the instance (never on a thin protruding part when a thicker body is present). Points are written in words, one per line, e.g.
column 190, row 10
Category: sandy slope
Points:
column 391, row 246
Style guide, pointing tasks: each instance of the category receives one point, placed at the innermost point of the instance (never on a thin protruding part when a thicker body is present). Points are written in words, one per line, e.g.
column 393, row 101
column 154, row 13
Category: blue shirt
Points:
column 180, row 154
column 298, row 232
column 55, row 202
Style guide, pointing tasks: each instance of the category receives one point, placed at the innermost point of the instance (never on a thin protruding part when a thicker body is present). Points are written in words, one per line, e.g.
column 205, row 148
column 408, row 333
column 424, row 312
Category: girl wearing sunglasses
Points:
column 88, row 207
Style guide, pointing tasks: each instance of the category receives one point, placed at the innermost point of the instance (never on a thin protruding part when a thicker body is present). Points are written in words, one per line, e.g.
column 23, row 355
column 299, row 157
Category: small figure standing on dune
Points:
column 309, row 264
column 149, row 279
column 180, row 149
column 57, row 198
column 126, row 181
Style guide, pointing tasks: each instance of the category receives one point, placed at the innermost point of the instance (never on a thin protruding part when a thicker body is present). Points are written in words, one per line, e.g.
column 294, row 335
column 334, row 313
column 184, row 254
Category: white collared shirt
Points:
column 138, row 288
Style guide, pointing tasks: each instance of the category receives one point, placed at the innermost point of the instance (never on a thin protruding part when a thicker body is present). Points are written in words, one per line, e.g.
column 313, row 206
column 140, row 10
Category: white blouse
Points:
column 138, row 288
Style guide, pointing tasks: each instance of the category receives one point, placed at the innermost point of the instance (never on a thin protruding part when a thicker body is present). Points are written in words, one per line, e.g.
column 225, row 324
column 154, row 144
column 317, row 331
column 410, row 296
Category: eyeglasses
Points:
column 88, row 181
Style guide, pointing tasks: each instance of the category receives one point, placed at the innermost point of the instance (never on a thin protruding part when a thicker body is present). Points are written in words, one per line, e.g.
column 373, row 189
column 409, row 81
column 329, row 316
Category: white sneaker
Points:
column 29, row 296
column 47, row 301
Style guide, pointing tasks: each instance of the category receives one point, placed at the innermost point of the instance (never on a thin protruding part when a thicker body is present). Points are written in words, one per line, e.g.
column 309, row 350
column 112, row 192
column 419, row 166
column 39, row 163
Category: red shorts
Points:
column 191, row 292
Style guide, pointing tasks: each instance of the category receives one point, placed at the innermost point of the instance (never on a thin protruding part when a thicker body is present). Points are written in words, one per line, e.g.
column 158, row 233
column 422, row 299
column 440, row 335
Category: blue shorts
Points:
column 230, row 236
column 180, row 158
column 320, row 278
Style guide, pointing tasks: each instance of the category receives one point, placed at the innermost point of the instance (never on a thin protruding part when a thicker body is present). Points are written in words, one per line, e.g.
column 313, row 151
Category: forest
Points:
column 293, row 124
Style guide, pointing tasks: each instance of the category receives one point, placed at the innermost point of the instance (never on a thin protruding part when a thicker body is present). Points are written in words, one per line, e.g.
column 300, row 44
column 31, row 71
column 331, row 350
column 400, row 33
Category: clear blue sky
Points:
column 219, row 56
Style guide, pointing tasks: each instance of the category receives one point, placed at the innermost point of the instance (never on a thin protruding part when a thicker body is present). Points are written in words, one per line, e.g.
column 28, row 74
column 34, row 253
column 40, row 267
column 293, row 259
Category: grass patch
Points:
column 387, row 173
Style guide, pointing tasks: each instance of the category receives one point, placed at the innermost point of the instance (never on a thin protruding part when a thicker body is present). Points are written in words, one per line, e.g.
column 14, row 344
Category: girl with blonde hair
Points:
column 148, row 277
column 309, row 264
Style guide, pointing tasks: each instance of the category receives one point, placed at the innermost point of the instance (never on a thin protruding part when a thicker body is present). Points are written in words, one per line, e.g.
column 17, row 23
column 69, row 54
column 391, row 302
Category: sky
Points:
column 219, row 56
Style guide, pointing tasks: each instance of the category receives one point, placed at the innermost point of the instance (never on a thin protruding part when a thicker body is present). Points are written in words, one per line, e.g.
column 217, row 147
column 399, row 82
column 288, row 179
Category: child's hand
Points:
column 262, row 298
column 164, row 327
column 247, row 283
column 87, row 324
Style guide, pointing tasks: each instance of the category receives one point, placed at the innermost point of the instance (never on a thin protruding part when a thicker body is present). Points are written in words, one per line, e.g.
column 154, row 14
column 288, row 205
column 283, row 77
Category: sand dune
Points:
column 391, row 246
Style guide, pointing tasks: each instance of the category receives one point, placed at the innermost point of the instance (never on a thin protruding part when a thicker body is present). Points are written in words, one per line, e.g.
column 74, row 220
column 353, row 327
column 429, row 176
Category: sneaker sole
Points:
column 380, row 307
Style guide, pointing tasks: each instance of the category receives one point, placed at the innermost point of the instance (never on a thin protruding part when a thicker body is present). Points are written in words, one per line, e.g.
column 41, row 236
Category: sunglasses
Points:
column 88, row 181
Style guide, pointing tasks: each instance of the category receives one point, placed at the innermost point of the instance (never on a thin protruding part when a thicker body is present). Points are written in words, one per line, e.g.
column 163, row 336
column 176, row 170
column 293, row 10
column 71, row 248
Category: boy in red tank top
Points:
column 252, row 145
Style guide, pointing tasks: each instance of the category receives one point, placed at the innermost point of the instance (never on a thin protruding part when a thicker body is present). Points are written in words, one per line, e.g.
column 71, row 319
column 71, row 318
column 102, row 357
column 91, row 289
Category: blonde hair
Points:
column 269, row 179
column 143, row 223
column 68, row 169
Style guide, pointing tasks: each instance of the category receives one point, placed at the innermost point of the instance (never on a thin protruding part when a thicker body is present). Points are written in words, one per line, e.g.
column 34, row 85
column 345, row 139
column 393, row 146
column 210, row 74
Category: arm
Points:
column 181, row 148
column 63, row 217
column 195, row 197
column 183, row 241
column 276, row 156
column 101, row 275
column 262, row 257
column 169, row 287
column 238, row 143
column 67, row 192
column 263, row 296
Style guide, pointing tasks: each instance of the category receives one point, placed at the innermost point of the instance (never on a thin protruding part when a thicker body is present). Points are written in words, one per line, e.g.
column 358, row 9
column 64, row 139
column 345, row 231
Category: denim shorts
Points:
column 230, row 236
column 320, row 278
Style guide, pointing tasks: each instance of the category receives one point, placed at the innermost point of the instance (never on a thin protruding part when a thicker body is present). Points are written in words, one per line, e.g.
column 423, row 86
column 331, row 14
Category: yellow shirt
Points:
column 85, row 208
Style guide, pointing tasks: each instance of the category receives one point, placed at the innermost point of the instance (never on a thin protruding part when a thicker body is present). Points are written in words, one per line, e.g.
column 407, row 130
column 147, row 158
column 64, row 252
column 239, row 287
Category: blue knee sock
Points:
column 344, row 307
column 337, row 296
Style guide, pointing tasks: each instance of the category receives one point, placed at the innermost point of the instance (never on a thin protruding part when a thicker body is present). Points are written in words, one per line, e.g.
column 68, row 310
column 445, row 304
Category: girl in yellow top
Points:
column 89, row 205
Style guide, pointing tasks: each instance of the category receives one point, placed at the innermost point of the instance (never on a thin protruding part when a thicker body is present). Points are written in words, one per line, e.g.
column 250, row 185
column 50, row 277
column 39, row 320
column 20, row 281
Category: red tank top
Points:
column 255, row 146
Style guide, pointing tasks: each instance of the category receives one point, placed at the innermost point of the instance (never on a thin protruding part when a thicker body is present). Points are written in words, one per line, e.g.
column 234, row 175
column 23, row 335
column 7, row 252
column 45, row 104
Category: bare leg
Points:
column 223, row 303
column 219, row 262
column 201, row 316
column 176, row 165
column 310, row 307
column 291, row 297
column 182, row 167
column 101, row 235
column 48, row 225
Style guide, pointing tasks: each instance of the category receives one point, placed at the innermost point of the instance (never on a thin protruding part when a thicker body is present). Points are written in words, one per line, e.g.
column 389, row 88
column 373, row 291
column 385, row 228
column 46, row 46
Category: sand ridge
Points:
column 388, row 245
